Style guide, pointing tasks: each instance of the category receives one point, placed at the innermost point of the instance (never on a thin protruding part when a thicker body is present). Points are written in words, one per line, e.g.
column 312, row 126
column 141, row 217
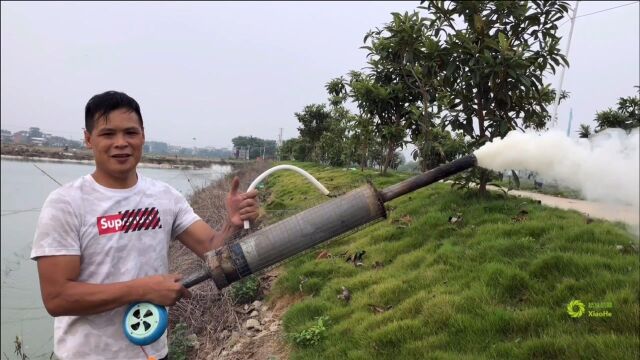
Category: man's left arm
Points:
column 201, row 238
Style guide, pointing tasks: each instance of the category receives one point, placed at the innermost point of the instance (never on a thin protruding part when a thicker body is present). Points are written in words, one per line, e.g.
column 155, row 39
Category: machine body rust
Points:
column 302, row 231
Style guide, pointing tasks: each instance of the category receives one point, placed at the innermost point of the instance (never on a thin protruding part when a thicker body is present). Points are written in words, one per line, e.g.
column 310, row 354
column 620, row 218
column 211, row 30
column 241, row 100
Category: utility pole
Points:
column 554, row 119
column 279, row 144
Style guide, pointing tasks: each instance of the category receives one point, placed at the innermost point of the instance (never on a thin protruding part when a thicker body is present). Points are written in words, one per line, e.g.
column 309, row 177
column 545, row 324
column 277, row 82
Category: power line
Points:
column 603, row 10
column 599, row 11
column 554, row 119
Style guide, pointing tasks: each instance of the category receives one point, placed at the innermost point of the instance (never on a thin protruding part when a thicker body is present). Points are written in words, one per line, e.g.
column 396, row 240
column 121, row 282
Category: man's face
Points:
column 116, row 143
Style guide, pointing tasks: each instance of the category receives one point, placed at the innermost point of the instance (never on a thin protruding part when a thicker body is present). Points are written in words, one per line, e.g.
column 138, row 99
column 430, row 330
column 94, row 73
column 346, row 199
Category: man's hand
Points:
column 163, row 290
column 201, row 238
column 241, row 206
column 64, row 295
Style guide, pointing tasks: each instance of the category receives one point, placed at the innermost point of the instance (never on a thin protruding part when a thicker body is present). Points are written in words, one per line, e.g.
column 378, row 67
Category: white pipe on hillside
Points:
column 285, row 167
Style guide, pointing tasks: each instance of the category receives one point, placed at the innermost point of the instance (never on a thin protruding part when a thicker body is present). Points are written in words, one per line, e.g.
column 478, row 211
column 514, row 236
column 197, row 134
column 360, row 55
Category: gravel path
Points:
column 611, row 212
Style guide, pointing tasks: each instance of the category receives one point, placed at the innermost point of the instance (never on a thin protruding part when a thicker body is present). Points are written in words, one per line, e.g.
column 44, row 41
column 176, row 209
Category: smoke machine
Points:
column 285, row 239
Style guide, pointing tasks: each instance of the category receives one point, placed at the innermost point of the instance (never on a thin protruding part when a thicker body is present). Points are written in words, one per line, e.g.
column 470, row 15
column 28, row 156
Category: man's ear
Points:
column 87, row 139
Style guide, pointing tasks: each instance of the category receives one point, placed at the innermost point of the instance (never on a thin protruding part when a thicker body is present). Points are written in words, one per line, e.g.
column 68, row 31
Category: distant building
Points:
column 38, row 141
column 21, row 137
column 156, row 147
column 57, row 141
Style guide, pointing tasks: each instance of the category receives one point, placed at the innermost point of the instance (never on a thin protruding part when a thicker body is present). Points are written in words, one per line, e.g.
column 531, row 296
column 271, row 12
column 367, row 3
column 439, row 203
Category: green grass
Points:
column 485, row 288
column 179, row 345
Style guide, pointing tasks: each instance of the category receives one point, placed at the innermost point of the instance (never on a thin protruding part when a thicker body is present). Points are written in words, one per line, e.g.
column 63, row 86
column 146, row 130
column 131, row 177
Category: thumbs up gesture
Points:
column 241, row 206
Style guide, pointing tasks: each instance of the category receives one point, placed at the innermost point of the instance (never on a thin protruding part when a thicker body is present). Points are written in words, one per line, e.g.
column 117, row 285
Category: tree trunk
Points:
column 363, row 159
column 391, row 144
column 390, row 148
column 484, row 179
column 484, row 175
column 425, row 125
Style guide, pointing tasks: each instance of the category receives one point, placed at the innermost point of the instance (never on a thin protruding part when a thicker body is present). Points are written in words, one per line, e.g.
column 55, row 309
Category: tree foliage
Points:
column 257, row 147
column 446, row 78
column 295, row 149
column 584, row 132
column 498, row 53
column 626, row 116
column 315, row 120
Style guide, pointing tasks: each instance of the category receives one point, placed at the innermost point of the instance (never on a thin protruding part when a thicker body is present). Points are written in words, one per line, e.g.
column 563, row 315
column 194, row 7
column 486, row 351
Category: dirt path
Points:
column 611, row 212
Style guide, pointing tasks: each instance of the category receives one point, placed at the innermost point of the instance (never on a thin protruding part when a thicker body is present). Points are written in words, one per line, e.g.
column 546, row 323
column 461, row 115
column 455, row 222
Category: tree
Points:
column 584, row 132
column 362, row 139
column 337, row 89
column 442, row 148
column 380, row 96
column 626, row 116
column 360, row 129
column 6, row 136
column 315, row 120
column 34, row 132
column 498, row 53
column 376, row 155
column 410, row 45
column 332, row 144
column 257, row 147
column 398, row 159
column 295, row 149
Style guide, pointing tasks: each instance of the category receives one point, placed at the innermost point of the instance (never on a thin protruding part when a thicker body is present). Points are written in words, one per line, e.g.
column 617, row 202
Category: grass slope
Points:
column 487, row 287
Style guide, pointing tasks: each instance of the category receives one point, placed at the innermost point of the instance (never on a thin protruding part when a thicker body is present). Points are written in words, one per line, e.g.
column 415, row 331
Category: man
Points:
column 102, row 241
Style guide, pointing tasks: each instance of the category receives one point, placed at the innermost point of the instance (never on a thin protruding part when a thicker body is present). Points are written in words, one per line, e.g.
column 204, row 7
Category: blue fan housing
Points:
column 144, row 322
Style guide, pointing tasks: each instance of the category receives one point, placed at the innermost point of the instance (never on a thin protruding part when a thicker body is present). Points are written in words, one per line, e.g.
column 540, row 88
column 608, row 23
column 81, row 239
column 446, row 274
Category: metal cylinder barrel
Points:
column 309, row 228
column 441, row 172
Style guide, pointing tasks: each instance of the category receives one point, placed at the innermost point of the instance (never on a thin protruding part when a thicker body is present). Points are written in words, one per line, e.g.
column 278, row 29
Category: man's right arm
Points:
column 63, row 295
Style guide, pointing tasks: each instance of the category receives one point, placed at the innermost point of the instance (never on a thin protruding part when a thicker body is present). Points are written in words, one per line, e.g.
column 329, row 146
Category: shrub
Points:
column 245, row 290
column 312, row 335
column 179, row 345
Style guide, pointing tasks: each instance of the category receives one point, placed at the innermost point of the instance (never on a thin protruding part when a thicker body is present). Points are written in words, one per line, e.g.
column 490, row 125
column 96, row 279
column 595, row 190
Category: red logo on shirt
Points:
column 129, row 221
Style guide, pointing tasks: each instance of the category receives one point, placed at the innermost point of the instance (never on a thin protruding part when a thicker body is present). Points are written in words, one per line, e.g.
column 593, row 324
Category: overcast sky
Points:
column 213, row 71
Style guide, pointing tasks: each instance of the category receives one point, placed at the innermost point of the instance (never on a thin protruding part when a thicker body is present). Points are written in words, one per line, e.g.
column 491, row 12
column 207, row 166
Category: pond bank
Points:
column 85, row 156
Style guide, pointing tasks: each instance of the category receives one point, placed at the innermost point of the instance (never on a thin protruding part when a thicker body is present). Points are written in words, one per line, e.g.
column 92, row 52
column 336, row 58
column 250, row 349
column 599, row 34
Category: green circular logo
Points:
column 575, row 309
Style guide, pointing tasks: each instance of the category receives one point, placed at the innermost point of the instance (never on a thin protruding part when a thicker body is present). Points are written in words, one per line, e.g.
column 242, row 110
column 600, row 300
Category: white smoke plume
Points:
column 603, row 168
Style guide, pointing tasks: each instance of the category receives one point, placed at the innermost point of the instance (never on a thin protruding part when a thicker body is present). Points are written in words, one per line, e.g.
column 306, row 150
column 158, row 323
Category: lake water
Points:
column 24, row 190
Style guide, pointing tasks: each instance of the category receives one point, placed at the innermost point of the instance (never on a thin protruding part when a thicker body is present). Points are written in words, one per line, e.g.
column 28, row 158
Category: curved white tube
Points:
column 285, row 167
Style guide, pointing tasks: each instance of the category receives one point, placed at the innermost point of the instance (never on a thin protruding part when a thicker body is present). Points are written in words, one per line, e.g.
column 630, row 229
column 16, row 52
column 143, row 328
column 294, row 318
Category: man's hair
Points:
column 103, row 104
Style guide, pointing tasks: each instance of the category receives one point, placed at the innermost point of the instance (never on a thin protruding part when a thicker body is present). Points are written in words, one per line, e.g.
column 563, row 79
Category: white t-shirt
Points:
column 120, row 235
